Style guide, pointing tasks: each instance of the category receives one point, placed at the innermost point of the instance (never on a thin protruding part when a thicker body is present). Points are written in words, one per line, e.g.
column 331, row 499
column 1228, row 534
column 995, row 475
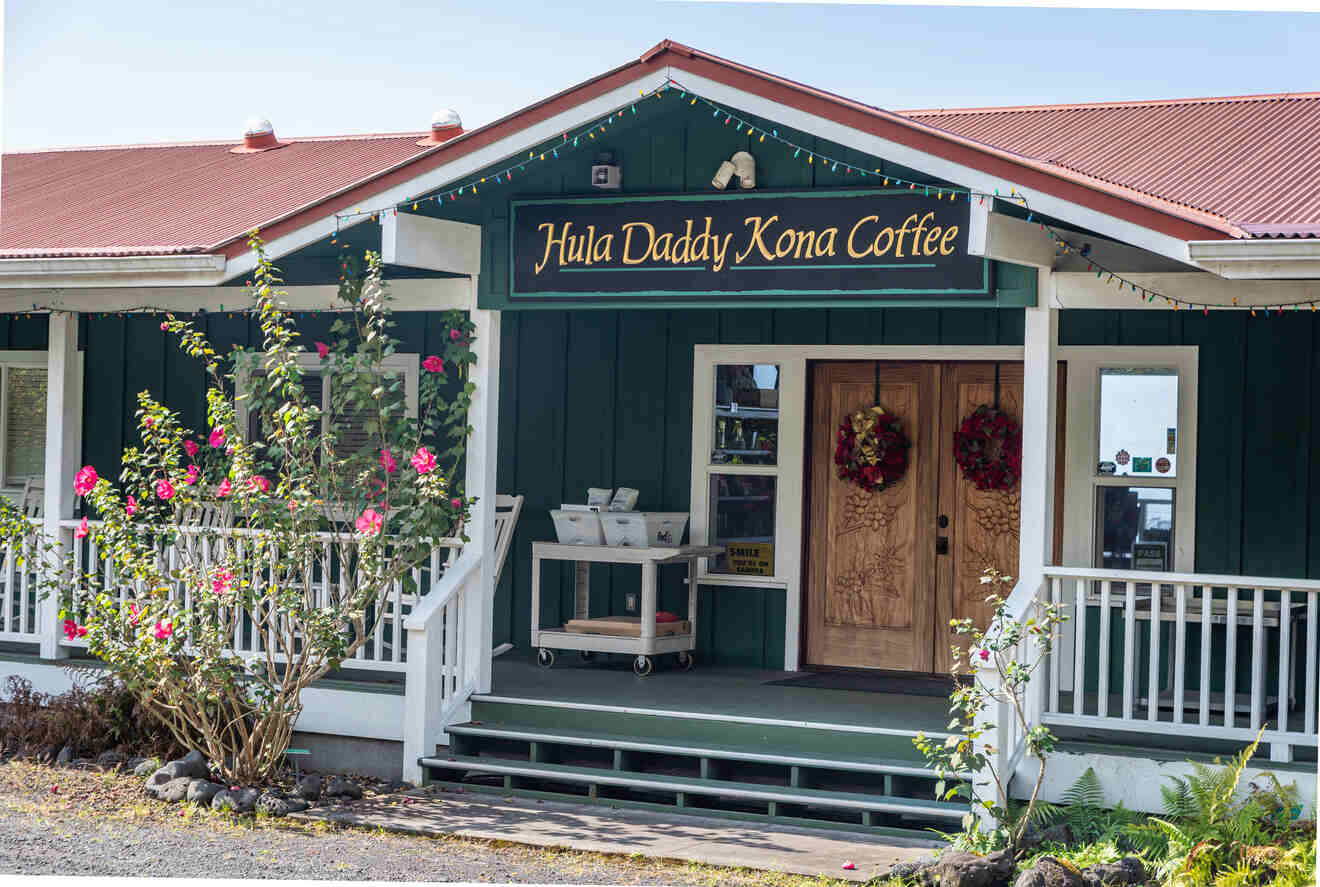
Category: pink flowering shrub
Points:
column 319, row 488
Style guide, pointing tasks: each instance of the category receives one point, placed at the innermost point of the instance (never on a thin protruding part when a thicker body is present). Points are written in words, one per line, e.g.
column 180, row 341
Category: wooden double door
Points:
column 887, row 571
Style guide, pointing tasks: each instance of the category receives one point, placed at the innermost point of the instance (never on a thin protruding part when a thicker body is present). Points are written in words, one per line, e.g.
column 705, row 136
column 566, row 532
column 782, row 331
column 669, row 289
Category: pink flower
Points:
column 387, row 462
column 260, row 483
column 190, row 447
column 456, row 503
column 164, row 326
column 984, row 654
column 369, row 522
column 217, row 439
column 223, row 582
column 322, row 349
column 163, row 629
column 81, row 532
column 455, row 335
column 164, row 489
column 133, row 614
column 191, row 477
column 224, row 489
column 84, row 480
column 73, row 629
column 130, row 507
column 423, row 461
column 148, row 421
column 433, row 364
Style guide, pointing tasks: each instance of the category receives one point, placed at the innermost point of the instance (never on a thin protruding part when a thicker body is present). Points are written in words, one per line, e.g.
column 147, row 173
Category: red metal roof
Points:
column 173, row 199
column 1253, row 161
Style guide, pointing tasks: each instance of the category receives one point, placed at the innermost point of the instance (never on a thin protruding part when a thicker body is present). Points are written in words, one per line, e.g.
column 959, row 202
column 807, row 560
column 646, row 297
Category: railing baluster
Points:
column 451, row 645
column 8, row 622
column 1230, row 657
column 1153, row 672
column 1102, row 687
column 1206, row 625
column 1311, row 642
column 1285, row 657
column 1079, row 647
column 1056, row 599
column 25, row 586
column 1129, row 650
column 1258, row 659
column 1179, row 652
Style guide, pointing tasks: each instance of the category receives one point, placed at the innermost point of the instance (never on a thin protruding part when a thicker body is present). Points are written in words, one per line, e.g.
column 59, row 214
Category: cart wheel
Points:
column 685, row 661
column 642, row 666
column 587, row 655
column 545, row 658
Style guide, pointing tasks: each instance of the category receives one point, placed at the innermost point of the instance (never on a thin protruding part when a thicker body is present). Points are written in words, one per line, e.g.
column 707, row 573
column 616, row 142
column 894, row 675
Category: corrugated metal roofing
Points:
column 1254, row 161
column 174, row 199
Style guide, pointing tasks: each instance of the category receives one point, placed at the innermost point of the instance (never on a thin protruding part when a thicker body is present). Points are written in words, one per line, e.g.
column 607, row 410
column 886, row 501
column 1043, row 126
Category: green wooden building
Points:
column 687, row 276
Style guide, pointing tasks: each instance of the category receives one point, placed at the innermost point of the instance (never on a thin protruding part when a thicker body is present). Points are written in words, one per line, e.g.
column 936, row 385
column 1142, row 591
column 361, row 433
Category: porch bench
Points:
column 680, row 786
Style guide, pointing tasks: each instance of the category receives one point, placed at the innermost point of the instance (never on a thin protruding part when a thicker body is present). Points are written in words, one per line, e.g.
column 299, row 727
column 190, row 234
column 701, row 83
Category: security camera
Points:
column 722, row 176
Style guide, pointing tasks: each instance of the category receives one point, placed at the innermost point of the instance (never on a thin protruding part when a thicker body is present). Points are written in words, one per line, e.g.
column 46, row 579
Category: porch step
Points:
column 860, row 763
column 682, row 788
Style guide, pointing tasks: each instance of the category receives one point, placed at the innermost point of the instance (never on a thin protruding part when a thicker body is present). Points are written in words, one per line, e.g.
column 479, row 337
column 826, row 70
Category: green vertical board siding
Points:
column 604, row 398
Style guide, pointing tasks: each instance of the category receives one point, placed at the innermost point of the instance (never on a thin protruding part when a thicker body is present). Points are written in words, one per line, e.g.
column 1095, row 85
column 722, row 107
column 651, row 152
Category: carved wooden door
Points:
column 870, row 571
column 982, row 524
column 887, row 571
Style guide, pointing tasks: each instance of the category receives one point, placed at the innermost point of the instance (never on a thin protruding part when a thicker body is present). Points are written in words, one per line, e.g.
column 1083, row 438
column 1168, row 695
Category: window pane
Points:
column 1138, row 422
column 25, row 423
column 746, row 414
column 742, row 518
column 1135, row 529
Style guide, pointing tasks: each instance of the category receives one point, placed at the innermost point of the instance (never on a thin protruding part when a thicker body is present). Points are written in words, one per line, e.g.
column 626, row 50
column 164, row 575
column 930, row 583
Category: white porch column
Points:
column 480, row 482
column 1038, row 425
column 63, row 450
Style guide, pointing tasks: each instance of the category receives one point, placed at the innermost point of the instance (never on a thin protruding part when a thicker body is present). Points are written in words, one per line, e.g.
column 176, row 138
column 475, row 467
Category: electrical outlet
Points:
column 630, row 602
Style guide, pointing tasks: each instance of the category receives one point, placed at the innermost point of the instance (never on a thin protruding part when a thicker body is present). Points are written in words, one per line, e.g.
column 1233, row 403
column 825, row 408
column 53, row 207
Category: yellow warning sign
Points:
column 752, row 558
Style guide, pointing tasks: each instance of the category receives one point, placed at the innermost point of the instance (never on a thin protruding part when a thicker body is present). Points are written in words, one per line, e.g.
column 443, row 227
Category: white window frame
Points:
column 407, row 365
column 26, row 360
column 1082, row 445
column 790, row 468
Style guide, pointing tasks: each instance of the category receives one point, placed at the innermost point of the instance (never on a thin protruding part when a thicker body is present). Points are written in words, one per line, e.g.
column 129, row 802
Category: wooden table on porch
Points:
column 645, row 646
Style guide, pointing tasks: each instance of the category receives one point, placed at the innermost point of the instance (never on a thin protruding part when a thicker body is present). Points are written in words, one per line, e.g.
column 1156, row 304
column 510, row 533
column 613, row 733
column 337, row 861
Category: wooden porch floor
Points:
column 722, row 693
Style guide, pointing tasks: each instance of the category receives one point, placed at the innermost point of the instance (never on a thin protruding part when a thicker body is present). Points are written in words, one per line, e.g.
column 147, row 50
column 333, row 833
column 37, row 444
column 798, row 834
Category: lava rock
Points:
column 244, row 800
column 145, row 767
column 338, row 787
column 1129, row 870
column 1055, row 834
column 109, row 759
column 1050, row 872
column 958, row 869
column 297, row 805
column 398, row 786
column 203, row 791
column 273, row 804
column 174, row 790
column 65, row 756
column 909, row 871
column 194, row 768
column 309, row 787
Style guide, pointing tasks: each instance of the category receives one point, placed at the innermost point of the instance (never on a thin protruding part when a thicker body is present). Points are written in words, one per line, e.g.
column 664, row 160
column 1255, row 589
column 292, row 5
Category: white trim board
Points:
column 791, row 466
column 412, row 294
column 124, row 271
column 1081, row 289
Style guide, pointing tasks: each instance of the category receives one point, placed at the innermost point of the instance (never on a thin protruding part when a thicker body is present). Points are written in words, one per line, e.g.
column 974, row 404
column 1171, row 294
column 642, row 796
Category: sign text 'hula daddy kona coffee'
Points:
column 765, row 244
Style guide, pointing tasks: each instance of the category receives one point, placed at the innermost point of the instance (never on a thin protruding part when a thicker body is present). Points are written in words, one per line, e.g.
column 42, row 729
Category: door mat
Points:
column 903, row 685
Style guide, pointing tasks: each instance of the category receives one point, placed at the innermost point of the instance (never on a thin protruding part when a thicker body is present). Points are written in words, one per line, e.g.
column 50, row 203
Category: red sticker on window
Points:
column 1163, row 465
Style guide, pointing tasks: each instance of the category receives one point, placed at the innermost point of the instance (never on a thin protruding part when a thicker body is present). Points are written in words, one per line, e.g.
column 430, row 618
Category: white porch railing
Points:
column 1194, row 655
column 20, row 620
column 385, row 647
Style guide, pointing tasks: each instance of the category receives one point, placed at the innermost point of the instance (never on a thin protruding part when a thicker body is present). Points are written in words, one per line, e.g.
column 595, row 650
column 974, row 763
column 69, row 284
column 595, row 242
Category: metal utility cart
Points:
column 648, row 643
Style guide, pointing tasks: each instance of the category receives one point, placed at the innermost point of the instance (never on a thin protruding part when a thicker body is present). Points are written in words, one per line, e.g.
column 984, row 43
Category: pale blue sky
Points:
column 99, row 72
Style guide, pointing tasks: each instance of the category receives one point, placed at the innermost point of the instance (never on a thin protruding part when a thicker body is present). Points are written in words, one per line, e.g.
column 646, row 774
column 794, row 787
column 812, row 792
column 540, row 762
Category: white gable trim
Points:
column 123, row 271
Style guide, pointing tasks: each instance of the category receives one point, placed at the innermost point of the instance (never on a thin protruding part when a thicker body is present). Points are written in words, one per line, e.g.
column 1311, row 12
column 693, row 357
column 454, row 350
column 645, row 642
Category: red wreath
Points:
column 988, row 447
column 872, row 450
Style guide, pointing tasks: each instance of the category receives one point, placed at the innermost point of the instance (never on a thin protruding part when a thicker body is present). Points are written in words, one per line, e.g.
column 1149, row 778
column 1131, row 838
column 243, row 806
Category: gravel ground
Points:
column 95, row 823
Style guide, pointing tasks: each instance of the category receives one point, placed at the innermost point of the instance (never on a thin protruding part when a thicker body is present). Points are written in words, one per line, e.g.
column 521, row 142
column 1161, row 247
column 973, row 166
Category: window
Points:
column 22, row 417
column 353, row 435
column 1130, row 500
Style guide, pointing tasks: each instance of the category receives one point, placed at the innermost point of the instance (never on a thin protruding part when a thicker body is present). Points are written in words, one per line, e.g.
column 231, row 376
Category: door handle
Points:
column 941, row 544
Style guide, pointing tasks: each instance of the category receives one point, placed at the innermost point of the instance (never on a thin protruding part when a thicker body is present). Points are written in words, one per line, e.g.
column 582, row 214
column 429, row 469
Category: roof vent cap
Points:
column 445, row 125
column 258, row 135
